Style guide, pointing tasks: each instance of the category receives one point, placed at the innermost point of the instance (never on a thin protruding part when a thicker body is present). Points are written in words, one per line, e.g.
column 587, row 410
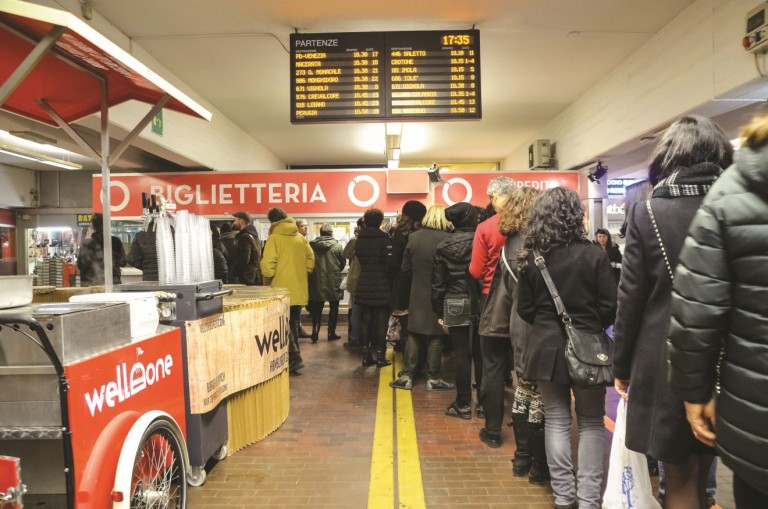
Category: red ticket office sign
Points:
column 318, row 192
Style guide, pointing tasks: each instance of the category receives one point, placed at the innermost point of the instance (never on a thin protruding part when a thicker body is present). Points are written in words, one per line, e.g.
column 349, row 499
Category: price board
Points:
column 381, row 76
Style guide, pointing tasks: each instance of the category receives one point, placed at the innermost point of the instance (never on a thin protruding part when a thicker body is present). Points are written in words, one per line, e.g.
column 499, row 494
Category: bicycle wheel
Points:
column 159, row 472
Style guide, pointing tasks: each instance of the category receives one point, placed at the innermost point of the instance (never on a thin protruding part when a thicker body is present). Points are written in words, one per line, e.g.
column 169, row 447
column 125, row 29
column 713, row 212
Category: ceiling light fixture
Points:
column 39, row 158
column 33, row 137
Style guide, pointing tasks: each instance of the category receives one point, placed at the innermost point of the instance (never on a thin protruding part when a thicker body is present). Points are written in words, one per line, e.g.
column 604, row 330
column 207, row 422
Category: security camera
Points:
column 600, row 172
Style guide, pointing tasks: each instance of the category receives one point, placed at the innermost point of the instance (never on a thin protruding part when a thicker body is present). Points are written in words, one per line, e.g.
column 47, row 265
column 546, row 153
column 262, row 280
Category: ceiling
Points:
column 538, row 56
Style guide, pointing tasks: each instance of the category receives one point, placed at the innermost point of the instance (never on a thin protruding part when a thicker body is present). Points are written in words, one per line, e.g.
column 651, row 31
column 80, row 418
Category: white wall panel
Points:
column 15, row 186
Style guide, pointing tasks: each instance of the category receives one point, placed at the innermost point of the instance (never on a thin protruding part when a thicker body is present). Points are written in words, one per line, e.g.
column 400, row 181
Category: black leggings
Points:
column 462, row 346
column 373, row 331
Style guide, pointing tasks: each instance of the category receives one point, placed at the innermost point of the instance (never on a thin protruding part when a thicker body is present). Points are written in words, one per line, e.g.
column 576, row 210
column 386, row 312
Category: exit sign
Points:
column 157, row 123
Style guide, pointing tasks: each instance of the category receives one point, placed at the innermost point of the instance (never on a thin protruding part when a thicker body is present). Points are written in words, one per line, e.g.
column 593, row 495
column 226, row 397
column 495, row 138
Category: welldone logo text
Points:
column 128, row 383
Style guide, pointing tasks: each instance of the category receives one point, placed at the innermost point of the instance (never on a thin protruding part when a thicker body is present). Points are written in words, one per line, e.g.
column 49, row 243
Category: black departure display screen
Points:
column 380, row 76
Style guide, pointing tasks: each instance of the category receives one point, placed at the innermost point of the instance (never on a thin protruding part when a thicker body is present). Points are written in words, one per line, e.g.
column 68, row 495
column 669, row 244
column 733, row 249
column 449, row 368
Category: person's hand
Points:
column 440, row 322
column 622, row 386
column 702, row 420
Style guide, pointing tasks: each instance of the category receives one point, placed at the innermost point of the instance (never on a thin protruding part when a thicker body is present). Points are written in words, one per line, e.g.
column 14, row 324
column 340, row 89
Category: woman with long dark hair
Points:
column 604, row 240
column 582, row 275
column 689, row 158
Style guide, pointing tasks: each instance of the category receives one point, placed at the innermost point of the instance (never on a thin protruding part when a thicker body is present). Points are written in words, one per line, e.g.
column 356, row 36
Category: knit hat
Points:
column 415, row 210
column 276, row 214
column 462, row 215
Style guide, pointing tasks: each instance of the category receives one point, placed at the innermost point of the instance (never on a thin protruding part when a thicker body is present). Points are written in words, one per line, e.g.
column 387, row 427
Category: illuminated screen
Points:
column 379, row 76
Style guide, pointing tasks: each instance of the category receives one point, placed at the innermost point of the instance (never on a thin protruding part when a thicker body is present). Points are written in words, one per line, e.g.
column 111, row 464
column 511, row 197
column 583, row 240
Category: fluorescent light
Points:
column 39, row 158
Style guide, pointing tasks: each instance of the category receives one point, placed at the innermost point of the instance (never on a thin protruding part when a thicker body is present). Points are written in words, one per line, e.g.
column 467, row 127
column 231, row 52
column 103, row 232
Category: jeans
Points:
column 590, row 410
column 294, row 355
column 463, row 362
column 495, row 366
column 355, row 320
column 434, row 354
column 747, row 497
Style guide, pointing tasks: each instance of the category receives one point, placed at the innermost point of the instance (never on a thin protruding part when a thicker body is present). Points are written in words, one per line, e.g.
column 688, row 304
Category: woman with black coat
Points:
column 604, row 240
column 689, row 158
column 582, row 275
column 453, row 302
column 719, row 301
column 373, row 250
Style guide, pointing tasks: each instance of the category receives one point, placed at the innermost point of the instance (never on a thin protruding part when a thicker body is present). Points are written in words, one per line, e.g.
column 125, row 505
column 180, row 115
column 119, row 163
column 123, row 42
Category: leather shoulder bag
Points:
column 588, row 355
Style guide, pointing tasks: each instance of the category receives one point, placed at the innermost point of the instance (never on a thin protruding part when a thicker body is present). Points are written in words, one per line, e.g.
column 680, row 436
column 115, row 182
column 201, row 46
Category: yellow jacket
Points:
column 287, row 259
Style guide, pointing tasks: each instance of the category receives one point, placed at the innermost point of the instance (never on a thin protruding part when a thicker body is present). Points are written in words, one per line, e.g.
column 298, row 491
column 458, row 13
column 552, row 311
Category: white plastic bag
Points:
column 629, row 483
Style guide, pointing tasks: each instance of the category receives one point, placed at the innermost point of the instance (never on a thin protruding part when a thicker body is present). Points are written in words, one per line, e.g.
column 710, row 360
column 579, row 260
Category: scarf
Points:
column 692, row 181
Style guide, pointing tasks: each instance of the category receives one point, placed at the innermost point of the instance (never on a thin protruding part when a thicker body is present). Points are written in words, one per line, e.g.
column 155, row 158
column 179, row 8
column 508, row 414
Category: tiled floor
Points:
column 321, row 456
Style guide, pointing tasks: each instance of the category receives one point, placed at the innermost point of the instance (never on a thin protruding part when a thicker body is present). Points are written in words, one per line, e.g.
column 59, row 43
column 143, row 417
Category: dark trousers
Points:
column 747, row 497
column 495, row 367
column 460, row 337
column 294, row 355
column 315, row 308
column 373, row 331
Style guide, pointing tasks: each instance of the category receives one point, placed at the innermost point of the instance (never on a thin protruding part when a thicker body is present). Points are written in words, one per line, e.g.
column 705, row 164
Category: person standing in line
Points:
column 718, row 360
column 287, row 261
column 90, row 258
column 247, row 255
column 689, row 158
column 228, row 241
column 143, row 253
column 353, row 274
column 499, row 322
column 422, row 321
column 603, row 239
column 582, row 275
column 374, row 287
column 324, row 281
column 408, row 222
column 485, row 255
column 452, row 300
column 303, row 227
column 219, row 259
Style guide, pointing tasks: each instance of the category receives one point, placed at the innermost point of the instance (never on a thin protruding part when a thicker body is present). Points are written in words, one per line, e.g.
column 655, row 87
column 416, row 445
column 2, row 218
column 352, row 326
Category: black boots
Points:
column 368, row 359
column 381, row 358
column 539, row 473
column 521, row 464
column 380, row 361
column 315, row 330
column 333, row 318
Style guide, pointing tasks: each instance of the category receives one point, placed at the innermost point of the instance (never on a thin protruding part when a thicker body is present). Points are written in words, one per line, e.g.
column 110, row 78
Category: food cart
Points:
column 116, row 435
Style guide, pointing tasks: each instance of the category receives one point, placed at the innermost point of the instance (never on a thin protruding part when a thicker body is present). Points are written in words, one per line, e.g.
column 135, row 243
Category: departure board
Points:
column 380, row 76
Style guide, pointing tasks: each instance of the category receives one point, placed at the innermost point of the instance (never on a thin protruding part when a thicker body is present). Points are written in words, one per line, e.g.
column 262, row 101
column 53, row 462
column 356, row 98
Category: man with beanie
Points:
column 453, row 299
column 247, row 255
column 287, row 261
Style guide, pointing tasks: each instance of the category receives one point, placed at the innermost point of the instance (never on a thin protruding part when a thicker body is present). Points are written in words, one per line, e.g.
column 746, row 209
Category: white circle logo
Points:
column 464, row 183
column 351, row 191
column 126, row 195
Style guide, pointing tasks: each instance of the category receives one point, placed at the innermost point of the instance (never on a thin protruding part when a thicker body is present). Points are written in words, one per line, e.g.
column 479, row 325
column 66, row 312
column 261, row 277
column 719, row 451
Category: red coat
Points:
column 485, row 251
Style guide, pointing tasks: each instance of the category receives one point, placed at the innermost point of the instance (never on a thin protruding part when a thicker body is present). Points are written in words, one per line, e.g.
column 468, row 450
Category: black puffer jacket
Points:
column 90, row 260
column 449, row 276
column 143, row 254
column 721, row 298
column 245, row 267
column 374, row 252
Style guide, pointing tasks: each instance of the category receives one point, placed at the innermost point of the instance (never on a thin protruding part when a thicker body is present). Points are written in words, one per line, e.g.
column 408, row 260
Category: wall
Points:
column 66, row 189
column 695, row 63
column 15, row 187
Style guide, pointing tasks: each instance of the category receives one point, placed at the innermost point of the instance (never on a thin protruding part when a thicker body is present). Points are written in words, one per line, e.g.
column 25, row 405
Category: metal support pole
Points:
column 29, row 63
column 105, row 191
column 68, row 129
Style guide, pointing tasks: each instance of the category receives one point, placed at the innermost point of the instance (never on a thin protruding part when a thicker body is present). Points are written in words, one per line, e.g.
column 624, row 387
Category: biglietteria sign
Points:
column 308, row 192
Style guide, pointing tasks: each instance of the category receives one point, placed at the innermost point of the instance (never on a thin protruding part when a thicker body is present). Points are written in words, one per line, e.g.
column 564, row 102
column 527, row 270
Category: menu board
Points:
column 380, row 76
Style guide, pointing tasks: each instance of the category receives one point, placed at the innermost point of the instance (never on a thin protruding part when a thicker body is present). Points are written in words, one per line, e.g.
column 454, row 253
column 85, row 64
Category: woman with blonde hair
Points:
column 718, row 353
column 422, row 325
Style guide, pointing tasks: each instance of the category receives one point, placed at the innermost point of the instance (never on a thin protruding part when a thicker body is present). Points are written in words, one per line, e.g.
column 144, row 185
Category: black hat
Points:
column 276, row 214
column 415, row 210
column 243, row 215
column 462, row 215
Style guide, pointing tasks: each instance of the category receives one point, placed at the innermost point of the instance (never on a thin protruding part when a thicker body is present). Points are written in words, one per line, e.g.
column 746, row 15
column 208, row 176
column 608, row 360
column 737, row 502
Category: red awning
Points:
column 73, row 91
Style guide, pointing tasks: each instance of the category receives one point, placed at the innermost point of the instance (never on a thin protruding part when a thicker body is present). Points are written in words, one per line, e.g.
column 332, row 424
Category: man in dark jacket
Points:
column 247, row 255
column 227, row 240
column 90, row 259
column 718, row 360
column 143, row 253
column 324, row 281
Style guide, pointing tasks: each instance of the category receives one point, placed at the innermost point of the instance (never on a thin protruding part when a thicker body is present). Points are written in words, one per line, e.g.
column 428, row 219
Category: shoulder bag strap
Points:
column 561, row 312
column 658, row 237
column 506, row 263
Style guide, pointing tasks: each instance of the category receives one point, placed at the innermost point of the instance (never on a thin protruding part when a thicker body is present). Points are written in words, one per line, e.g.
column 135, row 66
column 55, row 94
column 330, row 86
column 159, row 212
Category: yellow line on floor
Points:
column 381, row 490
column 410, row 487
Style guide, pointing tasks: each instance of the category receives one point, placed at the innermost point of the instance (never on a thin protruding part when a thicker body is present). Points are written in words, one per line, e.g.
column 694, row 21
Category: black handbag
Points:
column 588, row 355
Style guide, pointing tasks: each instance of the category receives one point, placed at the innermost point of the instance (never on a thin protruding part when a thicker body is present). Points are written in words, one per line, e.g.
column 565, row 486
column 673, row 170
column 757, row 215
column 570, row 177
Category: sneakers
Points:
column 438, row 384
column 462, row 412
column 494, row 442
column 404, row 382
